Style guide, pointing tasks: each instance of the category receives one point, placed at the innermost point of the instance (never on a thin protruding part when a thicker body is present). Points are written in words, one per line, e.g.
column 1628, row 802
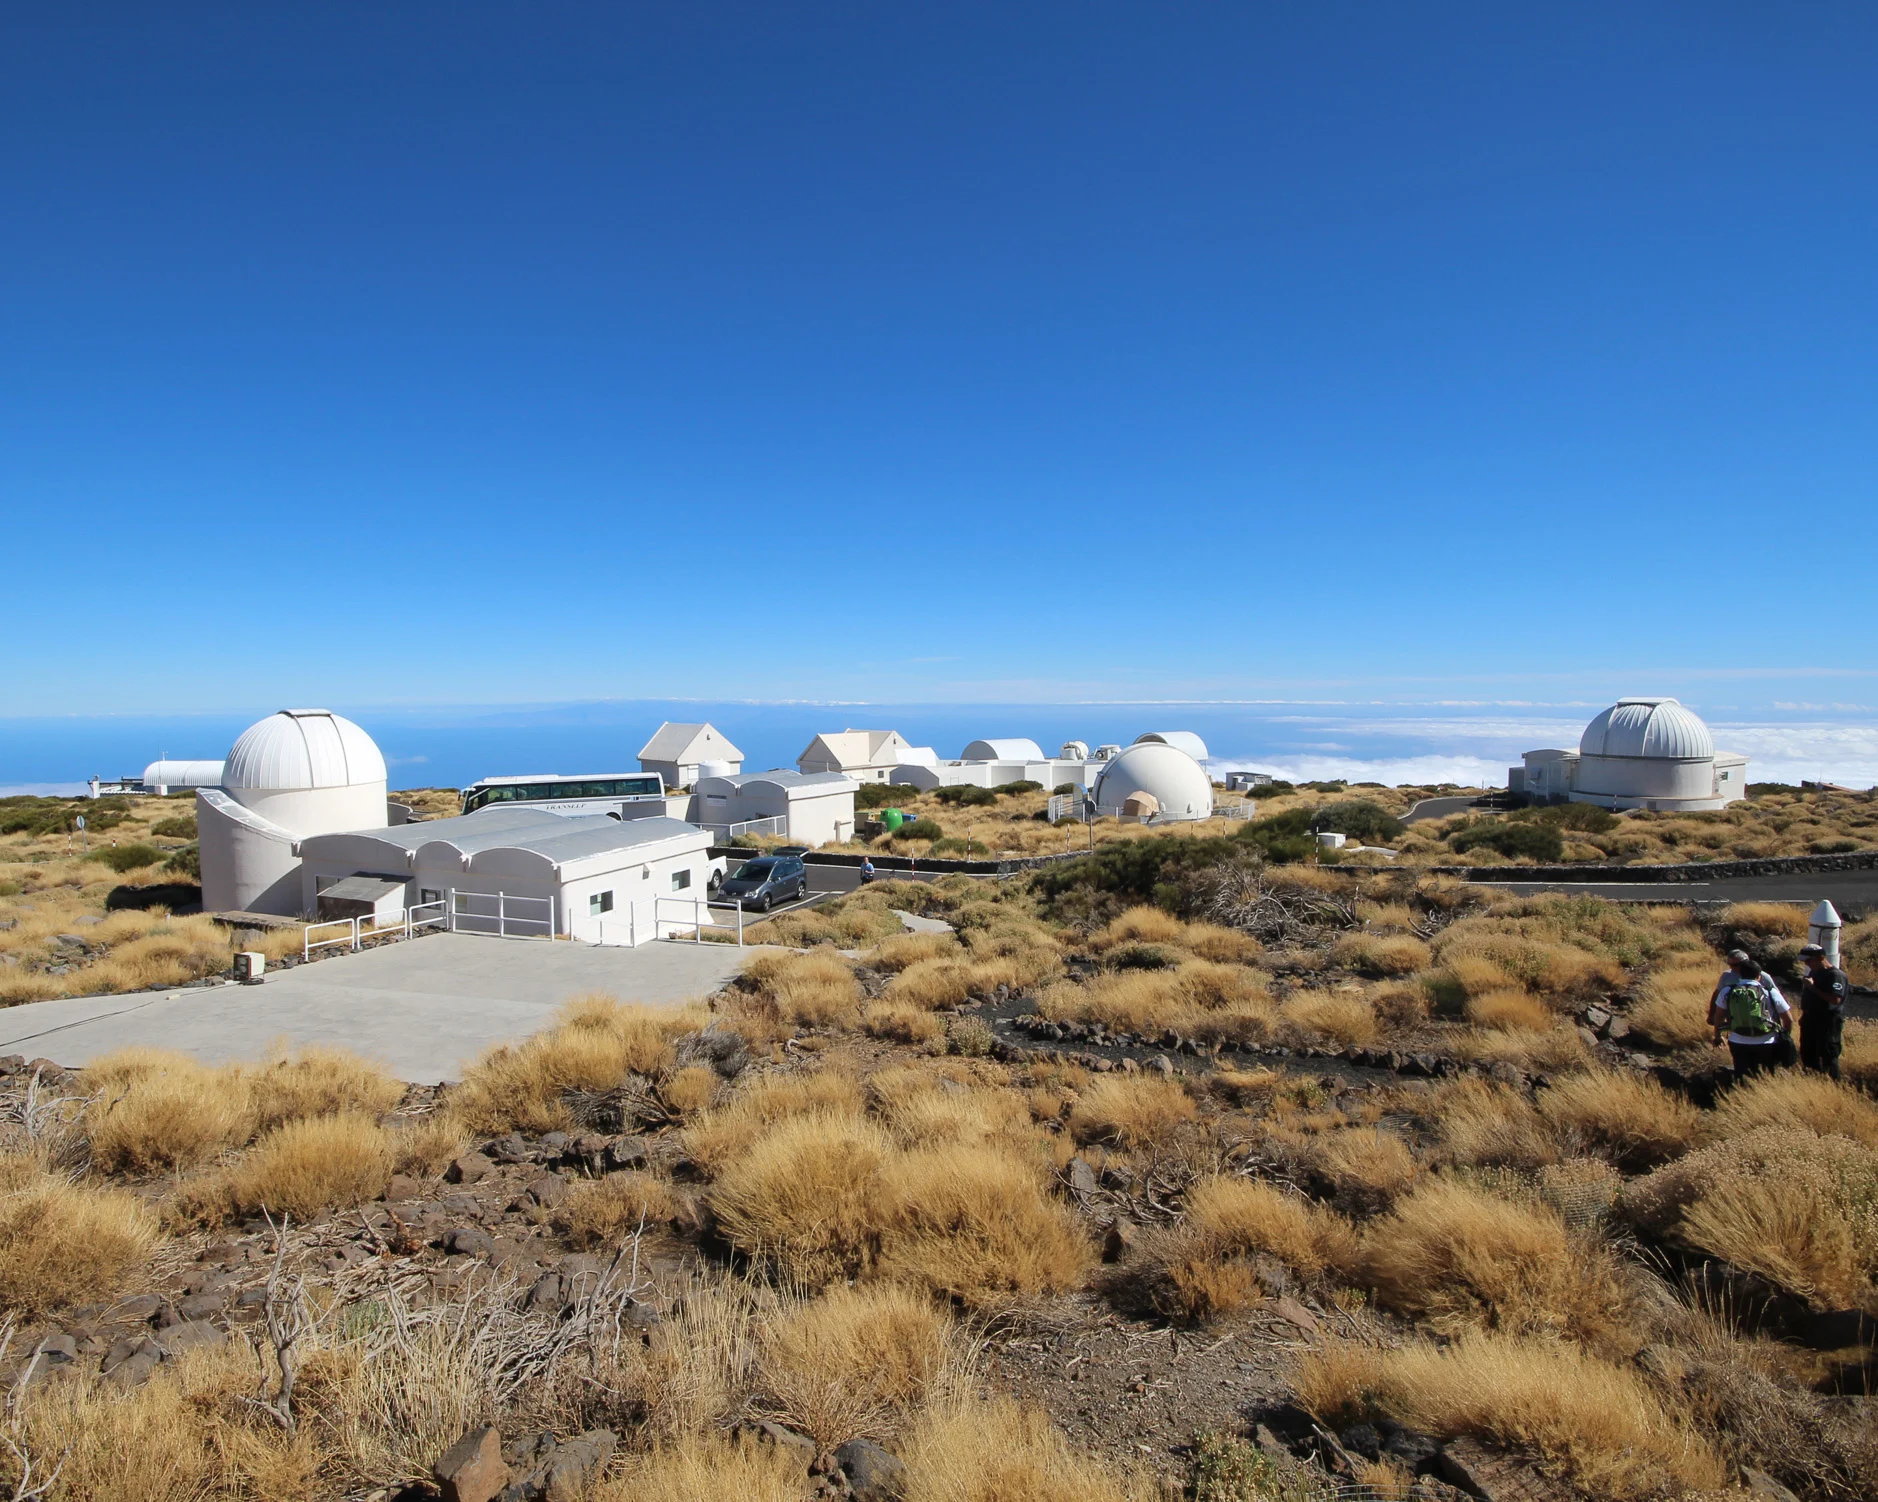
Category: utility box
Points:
column 250, row 967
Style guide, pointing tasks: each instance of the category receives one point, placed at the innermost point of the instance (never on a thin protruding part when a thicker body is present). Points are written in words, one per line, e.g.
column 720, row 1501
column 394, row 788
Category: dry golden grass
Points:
column 309, row 1165
column 1627, row 1118
column 66, row 1243
column 1458, row 1259
column 1798, row 1208
column 855, row 1362
column 153, row 1110
column 806, row 1196
column 1380, row 955
column 720, row 1135
column 974, row 1451
column 1791, row 1097
column 895, row 954
column 1209, row 941
column 689, row 1090
column 426, row 1146
column 901, row 1022
column 595, row 1044
column 1554, row 1050
column 816, row 989
column 1595, row 1420
column 604, row 1212
column 1201, row 998
column 319, row 1082
column 1139, row 925
column 1859, row 1061
column 704, row 1469
column 973, row 1222
column 1509, row 1008
column 1365, row 1164
column 1480, row 1124
column 931, row 984
column 1129, row 1110
column 1673, row 1003
column 937, row 1115
column 1782, row 919
column 1204, row 1267
column 1344, row 1017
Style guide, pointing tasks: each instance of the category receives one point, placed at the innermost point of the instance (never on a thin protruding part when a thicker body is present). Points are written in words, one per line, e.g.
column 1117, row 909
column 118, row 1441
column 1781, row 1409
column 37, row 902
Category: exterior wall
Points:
column 1731, row 777
column 307, row 811
column 1548, row 775
column 248, row 864
column 1635, row 780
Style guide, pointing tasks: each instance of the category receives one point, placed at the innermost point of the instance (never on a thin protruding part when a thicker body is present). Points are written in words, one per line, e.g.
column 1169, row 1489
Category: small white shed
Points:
column 817, row 808
column 682, row 753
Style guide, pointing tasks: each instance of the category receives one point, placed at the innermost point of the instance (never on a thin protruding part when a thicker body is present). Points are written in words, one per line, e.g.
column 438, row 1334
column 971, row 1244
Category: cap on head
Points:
column 1812, row 952
column 1737, row 956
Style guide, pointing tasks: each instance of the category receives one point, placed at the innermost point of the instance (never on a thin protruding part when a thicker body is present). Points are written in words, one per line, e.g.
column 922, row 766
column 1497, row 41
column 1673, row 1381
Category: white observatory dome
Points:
column 1657, row 729
column 303, row 748
column 1185, row 740
column 1156, row 778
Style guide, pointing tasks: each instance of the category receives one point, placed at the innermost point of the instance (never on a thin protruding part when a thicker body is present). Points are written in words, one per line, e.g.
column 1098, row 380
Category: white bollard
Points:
column 1823, row 929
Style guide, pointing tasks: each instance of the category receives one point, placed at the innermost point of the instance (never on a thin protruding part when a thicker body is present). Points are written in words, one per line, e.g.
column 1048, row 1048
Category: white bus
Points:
column 622, row 795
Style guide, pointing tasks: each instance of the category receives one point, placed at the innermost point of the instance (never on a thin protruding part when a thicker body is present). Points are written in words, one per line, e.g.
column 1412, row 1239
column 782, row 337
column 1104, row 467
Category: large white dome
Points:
column 295, row 749
column 1652, row 728
column 1185, row 740
column 1177, row 784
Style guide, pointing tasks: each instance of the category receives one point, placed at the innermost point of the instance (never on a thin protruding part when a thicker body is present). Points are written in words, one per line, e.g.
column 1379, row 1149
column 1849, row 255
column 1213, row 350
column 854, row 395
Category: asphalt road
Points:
column 1851, row 892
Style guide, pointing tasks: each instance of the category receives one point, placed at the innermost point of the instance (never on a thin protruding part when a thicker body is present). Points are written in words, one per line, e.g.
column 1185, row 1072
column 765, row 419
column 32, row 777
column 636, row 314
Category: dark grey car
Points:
column 765, row 881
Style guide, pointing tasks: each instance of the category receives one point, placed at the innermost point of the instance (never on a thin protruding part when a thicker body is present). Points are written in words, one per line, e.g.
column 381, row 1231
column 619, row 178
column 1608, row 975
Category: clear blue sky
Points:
column 505, row 353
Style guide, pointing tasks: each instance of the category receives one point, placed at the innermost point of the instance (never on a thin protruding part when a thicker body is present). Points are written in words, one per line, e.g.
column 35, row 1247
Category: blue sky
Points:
column 503, row 354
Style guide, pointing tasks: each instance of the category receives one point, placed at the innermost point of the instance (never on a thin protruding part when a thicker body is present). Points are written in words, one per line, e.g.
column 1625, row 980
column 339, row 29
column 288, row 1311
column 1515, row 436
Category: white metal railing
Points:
column 1065, row 806
column 350, row 938
column 405, row 926
column 513, row 916
column 695, row 915
column 438, row 919
column 1242, row 808
column 778, row 825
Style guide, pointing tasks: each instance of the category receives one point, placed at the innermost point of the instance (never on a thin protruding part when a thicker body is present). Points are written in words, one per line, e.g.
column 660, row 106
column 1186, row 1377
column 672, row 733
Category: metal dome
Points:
column 303, row 748
column 1185, row 740
column 1176, row 782
column 1659, row 729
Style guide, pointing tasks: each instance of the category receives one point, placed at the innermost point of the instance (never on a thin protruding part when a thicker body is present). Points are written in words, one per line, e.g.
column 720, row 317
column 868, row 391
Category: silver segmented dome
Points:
column 1658, row 729
column 303, row 748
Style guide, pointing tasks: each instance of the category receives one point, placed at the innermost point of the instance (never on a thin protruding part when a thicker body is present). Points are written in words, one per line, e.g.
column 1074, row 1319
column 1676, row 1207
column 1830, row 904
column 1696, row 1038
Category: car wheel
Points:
column 767, row 903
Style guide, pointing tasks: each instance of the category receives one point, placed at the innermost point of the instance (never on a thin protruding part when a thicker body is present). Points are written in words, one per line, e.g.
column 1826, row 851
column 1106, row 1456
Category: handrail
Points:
column 350, row 938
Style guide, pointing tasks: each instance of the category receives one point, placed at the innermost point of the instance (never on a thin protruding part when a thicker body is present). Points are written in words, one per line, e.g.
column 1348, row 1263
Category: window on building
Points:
column 680, row 880
column 429, row 894
column 598, row 903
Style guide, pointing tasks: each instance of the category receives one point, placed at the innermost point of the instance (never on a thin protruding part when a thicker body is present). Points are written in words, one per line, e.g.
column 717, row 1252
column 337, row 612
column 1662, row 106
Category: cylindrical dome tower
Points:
column 1647, row 751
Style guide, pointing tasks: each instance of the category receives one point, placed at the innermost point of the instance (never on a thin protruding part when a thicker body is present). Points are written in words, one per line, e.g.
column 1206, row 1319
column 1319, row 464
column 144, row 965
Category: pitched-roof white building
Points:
column 864, row 755
column 682, row 753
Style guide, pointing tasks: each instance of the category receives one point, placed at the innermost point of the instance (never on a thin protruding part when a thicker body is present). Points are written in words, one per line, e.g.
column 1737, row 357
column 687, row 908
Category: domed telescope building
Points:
column 1639, row 753
column 1153, row 779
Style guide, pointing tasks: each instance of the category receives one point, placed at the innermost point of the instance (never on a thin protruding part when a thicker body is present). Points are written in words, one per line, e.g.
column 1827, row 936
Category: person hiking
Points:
column 867, row 869
column 1822, row 1012
column 1748, row 1008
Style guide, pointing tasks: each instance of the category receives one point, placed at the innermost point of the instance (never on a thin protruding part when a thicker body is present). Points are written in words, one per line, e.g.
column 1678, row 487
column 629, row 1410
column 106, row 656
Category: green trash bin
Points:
column 892, row 818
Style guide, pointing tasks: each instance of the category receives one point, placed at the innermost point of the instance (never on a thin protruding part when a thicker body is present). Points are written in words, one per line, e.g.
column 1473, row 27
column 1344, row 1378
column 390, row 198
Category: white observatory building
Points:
column 1154, row 779
column 299, row 772
column 1639, row 753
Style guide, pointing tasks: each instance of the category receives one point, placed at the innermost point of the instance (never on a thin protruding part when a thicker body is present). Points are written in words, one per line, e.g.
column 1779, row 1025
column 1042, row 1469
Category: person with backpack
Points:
column 1822, row 1012
column 1749, row 1009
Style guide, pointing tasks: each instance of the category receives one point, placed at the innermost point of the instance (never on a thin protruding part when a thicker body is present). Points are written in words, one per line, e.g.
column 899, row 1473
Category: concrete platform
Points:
column 423, row 1008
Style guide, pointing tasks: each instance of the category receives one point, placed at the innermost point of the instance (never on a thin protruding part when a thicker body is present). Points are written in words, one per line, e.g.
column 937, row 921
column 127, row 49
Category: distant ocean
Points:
column 1468, row 744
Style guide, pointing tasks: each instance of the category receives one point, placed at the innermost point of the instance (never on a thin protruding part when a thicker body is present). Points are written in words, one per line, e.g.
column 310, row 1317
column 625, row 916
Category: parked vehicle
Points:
column 765, row 881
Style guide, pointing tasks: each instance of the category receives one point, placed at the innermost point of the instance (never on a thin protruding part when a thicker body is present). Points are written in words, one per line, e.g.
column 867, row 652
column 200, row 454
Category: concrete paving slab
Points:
column 423, row 1008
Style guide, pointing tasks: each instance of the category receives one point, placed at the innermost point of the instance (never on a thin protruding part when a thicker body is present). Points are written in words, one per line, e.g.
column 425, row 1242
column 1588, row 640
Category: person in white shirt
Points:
column 1748, row 1009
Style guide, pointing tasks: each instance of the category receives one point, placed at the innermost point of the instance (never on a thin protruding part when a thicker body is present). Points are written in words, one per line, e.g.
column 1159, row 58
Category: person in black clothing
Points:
column 1822, row 1012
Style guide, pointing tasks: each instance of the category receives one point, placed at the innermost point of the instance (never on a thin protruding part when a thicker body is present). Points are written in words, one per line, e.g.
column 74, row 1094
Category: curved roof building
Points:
column 1011, row 748
column 1152, row 779
column 1639, row 753
column 1185, row 740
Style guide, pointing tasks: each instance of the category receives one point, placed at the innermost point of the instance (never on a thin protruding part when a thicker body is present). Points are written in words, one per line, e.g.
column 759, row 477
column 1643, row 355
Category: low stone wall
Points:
column 1784, row 865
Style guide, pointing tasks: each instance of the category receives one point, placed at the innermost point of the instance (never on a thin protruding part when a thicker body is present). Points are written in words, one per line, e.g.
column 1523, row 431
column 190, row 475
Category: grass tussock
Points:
column 806, row 1197
column 893, row 955
column 1783, row 920
column 1672, row 1005
column 970, row 1450
column 153, row 1111
column 1596, row 1421
column 1380, row 956
column 704, row 1469
column 1199, row 998
column 319, row 1082
column 1129, row 1110
column 718, row 1136
column 1628, row 1119
column 1479, row 1124
column 1344, row 1017
column 902, row 1022
column 855, row 1362
column 1791, row 1097
column 1458, row 1259
column 932, row 984
column 816, row 989
column 305, row 1166
column 64, row 1242
column 1509, row 1008
column 1367, row 1168
column 604, row 1212
column 594, row 1045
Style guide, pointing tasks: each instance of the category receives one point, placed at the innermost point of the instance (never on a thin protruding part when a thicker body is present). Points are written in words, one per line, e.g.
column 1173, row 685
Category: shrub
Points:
column 186, row 862
column 1597, row 1421
column 175, row 829
column 972, row 1451
column 1358, row 818
column 594, row 1045
column 965, row 795
column 1379, row 956
column 65, row 1243
column 310, row 1165
column 1459, row 1259
column 921, row 829
column 604, row 1212
column 122, row 858
column 806, row 1197
column 970, row 1036
column 883, row 794
column 1132, row 1111
column 1512, row 839
column 1628, row 1119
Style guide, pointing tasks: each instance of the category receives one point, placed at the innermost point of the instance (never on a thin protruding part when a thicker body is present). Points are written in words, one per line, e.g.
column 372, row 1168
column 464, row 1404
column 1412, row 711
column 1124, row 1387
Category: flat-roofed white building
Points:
column 816, row 808
column 681, row 754
column 524, row 871
column 1640, row 753
column 864, row 755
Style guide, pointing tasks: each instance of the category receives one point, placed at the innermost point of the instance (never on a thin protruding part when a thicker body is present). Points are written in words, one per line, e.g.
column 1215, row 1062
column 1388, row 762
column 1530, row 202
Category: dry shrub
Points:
column 1211, row 941
column 1480, row 1124
column 1216, row 1002
column 935, row 1116
column 1859, row 1061
column 817, row 989
column 701, row 1468
column 1132, row 1111
column 1139, row 925
column 855, row 1362
column 63, row 1242
column 720, row 1135
column 156, row 1110
column 973, row 1222
column 806, row 1196
column 1458, row 1259
column 901, row 1022
column 1790, row 1097
column 310, row 1165
column 1378, row 955
column 1555, row 1050
column 1627, row 1118
column 931, row 984
column 320, row 1082
column 604, row 1212
column 973, row 1451
column 1797, row 1208
column 690, row 1090
column 1342, row 1016
column 1776, row 919
column 594, row 1045
column 1205, row 1267
column 1509, row 1008
column 895, row 954
column 1366, row 1166
column 1595, row 1420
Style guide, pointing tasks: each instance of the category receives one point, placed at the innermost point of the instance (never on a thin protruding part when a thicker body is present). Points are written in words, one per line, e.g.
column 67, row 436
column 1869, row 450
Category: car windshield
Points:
column 754, row 870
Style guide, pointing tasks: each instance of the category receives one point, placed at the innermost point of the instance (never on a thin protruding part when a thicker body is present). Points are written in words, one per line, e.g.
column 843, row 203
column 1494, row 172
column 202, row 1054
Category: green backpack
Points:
column 1750, row 1010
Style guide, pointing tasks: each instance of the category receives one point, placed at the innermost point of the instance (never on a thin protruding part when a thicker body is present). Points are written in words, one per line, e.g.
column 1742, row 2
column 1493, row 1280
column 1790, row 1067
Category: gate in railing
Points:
column 504, row 914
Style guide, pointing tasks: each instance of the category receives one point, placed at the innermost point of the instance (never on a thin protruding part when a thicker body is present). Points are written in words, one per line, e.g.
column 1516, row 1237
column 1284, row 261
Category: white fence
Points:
column 682, row 918
column 778, row 826
column 503, row 914
column 352, row 932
